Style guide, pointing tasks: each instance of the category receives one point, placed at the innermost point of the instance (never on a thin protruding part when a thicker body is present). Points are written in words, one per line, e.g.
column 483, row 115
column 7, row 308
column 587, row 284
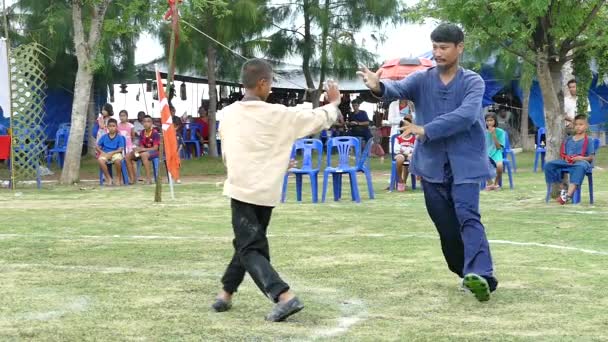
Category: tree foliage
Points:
column 324, row 32
column 543, row 33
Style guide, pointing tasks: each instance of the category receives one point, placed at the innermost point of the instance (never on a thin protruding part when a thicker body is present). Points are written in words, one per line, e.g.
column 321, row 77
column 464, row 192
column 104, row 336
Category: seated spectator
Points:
column 126, row 129
column 177, row 124
column 149, row 142
column 203, row 120
column 495, row 142
column 404, row 148
column 576, row 157
column 138, row 126
column 109, row 149
column 359, row 123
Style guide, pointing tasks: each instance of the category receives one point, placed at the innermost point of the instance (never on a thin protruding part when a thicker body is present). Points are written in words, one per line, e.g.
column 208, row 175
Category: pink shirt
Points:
column 126, row 129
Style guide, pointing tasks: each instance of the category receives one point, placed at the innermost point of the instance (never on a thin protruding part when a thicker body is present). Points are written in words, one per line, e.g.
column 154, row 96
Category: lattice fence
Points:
column 27, row 87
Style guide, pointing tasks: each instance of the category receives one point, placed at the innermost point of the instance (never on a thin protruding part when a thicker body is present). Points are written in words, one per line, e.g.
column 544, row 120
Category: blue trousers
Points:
column 454, row 208
column 577, row 171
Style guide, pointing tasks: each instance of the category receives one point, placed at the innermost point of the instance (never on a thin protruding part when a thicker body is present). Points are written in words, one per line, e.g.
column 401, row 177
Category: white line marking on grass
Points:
column 536, row 244
column 79, row 304
column 301, row 235
column 353, row 311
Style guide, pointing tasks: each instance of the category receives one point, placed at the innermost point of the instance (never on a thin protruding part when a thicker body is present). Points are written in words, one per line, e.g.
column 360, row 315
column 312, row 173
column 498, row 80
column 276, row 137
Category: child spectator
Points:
column 149, row 142
column 495, row 142
column 126, row 129
column 576, row 157
column 102, row 120
column 110, row 148
column 404, row 148
column 177, row 124
column 138, row 126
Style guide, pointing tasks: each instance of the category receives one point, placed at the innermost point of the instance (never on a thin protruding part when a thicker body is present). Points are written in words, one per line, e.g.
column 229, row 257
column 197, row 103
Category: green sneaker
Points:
column 478, row 285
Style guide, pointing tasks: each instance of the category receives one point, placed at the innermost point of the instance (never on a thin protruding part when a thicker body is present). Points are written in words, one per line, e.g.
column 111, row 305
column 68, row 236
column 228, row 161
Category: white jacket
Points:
column 257, row 138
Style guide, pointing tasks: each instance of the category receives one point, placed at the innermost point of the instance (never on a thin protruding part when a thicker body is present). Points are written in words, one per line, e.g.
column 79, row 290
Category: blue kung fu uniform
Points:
column 577, row 170
column 452, row 160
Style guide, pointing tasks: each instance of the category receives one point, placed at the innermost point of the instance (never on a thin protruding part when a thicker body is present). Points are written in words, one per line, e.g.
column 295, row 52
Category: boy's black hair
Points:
column 402, row 122
column 447, row 33
column 112, row 121
column 581, row 117
column 356, row 102
column 177, row 120
column 148, row 117
column 141, row 112
column 254, row 70
column 108, row 108
column 571, row 81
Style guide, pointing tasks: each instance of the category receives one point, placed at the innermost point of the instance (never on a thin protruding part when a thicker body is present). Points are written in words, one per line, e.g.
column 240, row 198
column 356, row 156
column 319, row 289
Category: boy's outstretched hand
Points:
column 333, row 92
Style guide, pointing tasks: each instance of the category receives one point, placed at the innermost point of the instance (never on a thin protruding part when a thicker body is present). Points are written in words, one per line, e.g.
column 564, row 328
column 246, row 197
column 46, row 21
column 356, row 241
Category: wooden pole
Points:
column 10, row 95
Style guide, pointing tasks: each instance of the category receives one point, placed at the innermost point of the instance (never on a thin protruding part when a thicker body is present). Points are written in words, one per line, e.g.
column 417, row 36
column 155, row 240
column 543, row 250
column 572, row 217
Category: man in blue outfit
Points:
column 450, row 154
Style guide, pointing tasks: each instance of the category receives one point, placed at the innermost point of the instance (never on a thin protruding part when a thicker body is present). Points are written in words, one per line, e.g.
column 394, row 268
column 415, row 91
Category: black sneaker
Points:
column 478, row 285
column 221, row 305
column 281, row 311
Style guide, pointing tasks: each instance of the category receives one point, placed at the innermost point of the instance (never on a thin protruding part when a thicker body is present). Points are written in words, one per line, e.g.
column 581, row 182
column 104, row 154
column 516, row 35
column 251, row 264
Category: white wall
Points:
column 4, row 81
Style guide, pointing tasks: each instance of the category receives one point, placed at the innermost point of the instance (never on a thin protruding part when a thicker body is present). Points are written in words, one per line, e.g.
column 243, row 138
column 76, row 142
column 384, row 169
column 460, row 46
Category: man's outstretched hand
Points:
column 371, row 79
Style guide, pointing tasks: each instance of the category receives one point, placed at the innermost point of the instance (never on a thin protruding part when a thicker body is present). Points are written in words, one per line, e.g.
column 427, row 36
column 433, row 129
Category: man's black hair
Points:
column 254, row 70
column 147, row 117
column 581, row 117
column 447, row 33
column 571, row 81
column 112, row 121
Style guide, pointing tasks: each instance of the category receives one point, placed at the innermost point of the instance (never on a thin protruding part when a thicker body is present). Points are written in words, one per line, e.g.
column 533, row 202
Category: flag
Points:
column 169, row 134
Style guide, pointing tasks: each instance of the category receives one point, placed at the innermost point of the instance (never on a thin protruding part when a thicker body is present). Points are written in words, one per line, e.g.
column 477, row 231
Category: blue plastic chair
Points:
column 508, row 152
column 123, row 167
column 3, row 130
column 576, row 199
column 308, row 147
column 61, row 146
column 506, row 163
column 540, row 151
column 343, row 145
column 189, row 134
column 364, row 166
column 394, row 177
column 154, row 167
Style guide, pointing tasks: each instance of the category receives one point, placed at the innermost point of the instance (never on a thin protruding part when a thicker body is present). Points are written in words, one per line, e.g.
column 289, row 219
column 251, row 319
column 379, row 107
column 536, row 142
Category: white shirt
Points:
column 570, row 107
column 256, row 144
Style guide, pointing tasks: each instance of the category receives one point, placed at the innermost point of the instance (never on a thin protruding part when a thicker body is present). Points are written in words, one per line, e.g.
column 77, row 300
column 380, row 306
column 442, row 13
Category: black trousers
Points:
column 251, row 251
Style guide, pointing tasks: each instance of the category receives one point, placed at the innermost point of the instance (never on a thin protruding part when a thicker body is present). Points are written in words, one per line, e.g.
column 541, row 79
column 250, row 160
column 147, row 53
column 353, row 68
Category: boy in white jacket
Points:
column 256, row 144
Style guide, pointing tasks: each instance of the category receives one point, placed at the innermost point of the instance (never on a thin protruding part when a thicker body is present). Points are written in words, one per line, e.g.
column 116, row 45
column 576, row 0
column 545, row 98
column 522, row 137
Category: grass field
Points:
column 106, row 264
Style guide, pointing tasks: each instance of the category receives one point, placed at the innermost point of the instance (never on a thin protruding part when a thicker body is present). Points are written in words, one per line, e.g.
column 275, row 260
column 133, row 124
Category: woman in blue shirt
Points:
column 450, row 154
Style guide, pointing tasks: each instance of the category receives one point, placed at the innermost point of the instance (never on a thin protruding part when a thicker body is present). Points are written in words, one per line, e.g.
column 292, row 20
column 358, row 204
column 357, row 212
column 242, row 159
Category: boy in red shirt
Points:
column 404, row 148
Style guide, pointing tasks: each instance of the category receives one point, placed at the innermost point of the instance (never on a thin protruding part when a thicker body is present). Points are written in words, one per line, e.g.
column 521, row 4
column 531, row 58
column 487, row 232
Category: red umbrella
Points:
column 400, row 68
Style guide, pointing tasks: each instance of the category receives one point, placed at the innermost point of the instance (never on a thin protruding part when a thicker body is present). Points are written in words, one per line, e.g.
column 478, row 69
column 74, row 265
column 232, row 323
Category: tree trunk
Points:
column 91, row 122
column 523, row 127
column 82, row 91
column 307, row 53
column 211, row 61
column 549, row 77
column 86, row 49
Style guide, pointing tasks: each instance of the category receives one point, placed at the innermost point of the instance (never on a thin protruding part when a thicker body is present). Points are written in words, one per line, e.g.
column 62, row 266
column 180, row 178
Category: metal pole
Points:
column 10, row 95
